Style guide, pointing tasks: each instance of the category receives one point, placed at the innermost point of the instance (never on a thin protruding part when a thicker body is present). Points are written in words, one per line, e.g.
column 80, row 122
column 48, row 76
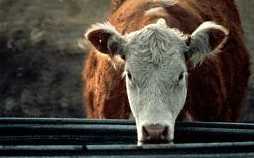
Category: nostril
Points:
column 165, row 133
column 155, row 133
column 145, row 133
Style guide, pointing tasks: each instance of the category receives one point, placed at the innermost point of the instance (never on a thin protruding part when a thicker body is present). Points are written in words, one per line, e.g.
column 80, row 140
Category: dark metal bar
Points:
column 119, row 122
column 85, row 132
column 237, row 149
column 63, row 121
column 81, row 138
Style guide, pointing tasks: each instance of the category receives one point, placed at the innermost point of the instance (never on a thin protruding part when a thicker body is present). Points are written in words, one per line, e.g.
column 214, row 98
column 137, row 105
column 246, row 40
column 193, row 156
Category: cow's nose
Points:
column 155, row 134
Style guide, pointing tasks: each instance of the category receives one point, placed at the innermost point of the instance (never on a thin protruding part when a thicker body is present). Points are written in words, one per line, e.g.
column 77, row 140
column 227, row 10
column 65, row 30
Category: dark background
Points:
column 41, row 59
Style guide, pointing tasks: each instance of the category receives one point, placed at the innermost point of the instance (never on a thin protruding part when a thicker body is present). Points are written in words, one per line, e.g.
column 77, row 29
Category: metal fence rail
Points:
column 112, row 138
column 89, row 132
column 243, row 149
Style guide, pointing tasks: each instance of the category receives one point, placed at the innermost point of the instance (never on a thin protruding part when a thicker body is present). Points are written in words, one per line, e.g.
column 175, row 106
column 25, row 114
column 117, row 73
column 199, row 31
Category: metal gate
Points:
column 117, row 138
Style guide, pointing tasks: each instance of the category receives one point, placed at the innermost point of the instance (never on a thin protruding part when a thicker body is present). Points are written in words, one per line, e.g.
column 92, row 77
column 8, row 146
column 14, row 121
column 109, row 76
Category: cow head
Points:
column 155, row 70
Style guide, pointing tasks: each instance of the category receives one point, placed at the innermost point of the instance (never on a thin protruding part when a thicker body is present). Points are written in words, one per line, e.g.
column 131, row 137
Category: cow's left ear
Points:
column 199, row 41
column 106, row 39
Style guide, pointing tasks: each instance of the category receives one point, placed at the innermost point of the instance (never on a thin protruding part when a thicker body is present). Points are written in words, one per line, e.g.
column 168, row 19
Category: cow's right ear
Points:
column 106, row 39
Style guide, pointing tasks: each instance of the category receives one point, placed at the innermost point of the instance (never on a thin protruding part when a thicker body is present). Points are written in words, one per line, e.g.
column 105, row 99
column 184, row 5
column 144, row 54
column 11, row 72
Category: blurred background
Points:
column 41, row 61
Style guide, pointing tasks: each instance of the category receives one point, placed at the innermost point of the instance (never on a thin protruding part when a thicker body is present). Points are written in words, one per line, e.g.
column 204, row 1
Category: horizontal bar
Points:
column 237, row 149
column 89, row 132
column 118, row 122
column 6, row 120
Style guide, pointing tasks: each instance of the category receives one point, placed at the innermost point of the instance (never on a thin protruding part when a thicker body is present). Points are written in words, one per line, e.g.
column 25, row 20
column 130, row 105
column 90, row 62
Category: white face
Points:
column 155, row 70
column 156, row 79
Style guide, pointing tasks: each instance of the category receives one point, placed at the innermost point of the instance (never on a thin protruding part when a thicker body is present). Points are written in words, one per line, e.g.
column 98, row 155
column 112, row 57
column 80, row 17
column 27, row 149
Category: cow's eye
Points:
column 180, row 77
column 123, row 57
column 128, row 74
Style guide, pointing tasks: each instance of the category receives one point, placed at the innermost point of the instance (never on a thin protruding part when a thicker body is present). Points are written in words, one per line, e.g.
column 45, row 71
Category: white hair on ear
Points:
column 208, row 25
column 205, row 26
column 200, row 41
column 107, row 27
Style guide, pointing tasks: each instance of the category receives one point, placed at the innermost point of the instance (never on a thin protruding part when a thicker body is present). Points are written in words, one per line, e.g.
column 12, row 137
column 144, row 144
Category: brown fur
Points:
column 215, row 89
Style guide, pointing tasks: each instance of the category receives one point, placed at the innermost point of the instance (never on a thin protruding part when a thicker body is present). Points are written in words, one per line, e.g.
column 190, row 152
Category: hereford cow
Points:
column 179, row 58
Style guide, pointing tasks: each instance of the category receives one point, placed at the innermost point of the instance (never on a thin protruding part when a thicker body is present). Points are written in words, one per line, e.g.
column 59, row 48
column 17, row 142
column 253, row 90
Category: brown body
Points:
column 216, row 88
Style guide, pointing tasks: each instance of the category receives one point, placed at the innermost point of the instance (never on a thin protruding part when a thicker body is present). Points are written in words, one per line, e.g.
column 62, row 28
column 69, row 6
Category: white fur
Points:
column 200, row 41
column 155, row 61
column 206, row 26
column 155, row 58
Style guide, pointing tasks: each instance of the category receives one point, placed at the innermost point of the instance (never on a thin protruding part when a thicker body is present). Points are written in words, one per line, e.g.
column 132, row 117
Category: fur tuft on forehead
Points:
column 156, row 41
